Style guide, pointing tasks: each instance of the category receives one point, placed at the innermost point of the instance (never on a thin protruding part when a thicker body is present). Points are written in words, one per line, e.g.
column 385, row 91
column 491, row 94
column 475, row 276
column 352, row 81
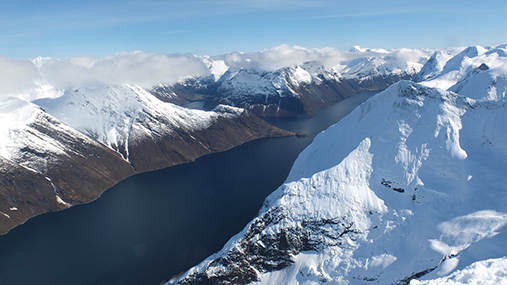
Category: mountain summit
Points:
column 410, row 186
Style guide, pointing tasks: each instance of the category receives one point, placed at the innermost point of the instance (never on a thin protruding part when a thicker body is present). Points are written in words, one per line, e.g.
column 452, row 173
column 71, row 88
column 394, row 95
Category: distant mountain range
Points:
column 408, row 188
column 296, row 90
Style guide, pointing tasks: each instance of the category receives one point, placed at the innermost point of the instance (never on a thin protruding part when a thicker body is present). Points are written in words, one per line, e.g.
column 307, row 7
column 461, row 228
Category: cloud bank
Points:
column 284, row 56
column 144, row 69
column 17, row 76
column 148, row 69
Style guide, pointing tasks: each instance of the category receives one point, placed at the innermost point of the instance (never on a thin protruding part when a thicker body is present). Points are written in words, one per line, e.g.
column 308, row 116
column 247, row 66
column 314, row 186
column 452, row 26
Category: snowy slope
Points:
column 434, row 66
column 487, row 272
column 410, row 185
column 258, row 83
column 120, row 116
column 46, row 165
column 374, row 64
column 444, row 72
column 18, row 135
column 305, row 87
column 289, row 91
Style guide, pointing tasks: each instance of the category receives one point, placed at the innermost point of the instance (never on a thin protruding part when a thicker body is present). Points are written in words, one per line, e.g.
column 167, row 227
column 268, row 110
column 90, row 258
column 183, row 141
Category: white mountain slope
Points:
column 254, row 82
column 434, row 66
column 120, row 116
column 487, row 272
column 410, row 185
column 399, row 62
column 19, row 133
column 46, row 165
column 444, row 72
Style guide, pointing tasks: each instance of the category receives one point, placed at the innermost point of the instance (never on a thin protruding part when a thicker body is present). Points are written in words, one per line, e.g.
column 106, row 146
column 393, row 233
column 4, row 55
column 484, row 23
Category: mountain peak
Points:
column 369, row 199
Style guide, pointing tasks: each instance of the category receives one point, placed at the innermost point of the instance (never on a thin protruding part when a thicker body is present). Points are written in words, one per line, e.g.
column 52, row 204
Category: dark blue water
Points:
column 155, row 225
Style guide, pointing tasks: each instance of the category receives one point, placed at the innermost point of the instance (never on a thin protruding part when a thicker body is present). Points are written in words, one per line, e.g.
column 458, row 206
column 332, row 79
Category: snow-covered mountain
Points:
column 46, row 165
column 410, row 186
column 71, row 145
column 368, row 65
column 305, row 88
column 444, row 71
column 122, row 117
column 289, row 91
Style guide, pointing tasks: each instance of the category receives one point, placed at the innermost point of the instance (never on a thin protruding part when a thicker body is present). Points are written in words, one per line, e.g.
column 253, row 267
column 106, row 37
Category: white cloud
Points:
column 144, row 69
column 285, row 55
column 17, row 76
column 148, row 69
column 20, row 77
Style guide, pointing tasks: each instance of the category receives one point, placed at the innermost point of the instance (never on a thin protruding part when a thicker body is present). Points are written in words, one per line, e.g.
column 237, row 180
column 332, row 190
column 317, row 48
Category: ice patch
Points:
column 486, row 272
column 448, row 266
column 461, row 232
column 61, row 201
column 6, row 215
column 382, row 261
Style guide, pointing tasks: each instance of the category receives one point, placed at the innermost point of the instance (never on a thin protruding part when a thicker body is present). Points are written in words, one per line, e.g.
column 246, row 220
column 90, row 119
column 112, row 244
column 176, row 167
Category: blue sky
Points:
column 31, row 28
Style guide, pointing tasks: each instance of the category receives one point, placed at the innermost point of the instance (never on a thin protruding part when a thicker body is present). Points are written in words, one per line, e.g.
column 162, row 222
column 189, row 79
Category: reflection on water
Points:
column 154, row 225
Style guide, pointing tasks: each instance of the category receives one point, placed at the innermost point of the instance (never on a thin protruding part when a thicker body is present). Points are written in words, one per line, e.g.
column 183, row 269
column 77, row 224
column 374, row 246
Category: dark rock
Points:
column 483, row 67
column 388, row 184
column 260, row 252
column 302, row 135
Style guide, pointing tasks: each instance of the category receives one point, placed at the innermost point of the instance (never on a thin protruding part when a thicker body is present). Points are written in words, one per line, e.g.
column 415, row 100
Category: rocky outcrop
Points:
column 261, row 250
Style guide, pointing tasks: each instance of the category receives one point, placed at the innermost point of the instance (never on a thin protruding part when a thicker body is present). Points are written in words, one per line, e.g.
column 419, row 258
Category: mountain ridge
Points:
column 368, row 200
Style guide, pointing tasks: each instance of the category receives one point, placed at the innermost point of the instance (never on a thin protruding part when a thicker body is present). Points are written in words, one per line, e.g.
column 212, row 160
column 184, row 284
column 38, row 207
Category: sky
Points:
column 63, row 29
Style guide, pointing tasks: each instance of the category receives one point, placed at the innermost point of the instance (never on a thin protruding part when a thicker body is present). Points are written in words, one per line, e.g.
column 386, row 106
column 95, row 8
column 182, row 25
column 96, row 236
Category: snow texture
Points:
column 119, row 116
column 410, row 185
column 487, row 272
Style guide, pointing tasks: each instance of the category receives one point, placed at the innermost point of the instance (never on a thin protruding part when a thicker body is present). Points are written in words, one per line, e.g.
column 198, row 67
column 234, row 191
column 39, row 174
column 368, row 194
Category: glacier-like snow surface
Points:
column 118, row 116
column 417, row 174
